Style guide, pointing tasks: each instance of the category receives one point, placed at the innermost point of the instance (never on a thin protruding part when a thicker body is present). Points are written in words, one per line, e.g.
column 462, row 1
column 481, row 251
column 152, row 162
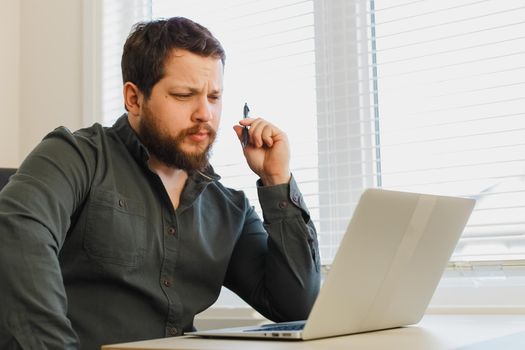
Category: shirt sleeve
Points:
column 275, row 265
column 35, row 213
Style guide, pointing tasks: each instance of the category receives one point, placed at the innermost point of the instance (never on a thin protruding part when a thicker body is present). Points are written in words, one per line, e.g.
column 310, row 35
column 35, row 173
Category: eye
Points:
column 214, row 97
column 181, row 96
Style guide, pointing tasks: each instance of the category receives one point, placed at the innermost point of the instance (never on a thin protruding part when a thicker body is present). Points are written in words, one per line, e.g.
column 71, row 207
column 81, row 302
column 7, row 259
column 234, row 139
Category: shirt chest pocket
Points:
column 115, row 230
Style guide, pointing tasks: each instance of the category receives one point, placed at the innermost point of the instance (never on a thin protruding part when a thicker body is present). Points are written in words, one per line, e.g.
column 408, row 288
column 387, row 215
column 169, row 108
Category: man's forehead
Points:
column 182, row 56
column 185, row 70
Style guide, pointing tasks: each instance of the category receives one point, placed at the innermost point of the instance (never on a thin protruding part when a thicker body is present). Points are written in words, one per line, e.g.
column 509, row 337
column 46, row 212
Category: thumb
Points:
column 238, row 131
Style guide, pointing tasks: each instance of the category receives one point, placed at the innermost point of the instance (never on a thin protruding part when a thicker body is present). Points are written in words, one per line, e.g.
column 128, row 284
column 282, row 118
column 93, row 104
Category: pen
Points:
column 245, row 136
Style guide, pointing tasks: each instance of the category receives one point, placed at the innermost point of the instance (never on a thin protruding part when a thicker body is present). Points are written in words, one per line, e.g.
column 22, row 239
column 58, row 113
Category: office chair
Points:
column 5, row 174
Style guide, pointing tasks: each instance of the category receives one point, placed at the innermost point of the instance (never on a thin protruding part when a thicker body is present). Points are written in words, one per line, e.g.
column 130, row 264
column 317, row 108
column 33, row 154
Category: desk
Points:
column 434, row 332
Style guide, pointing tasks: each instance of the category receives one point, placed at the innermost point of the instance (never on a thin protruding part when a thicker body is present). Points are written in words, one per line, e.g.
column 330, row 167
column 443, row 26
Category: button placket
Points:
column 168, row 278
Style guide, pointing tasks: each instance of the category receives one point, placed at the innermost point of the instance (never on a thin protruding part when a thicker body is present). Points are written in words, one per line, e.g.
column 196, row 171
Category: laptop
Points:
column 386, row 269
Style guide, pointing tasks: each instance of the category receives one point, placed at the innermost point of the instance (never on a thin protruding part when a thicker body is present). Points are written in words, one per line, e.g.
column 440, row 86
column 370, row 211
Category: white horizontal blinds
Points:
column 270, row 64
column 345, row 109
column 451, row 102
column 118, row 17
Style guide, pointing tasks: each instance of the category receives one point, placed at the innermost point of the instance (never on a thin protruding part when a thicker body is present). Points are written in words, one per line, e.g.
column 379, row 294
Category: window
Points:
column 414, row 95
column 451, row 109
column 451, row 104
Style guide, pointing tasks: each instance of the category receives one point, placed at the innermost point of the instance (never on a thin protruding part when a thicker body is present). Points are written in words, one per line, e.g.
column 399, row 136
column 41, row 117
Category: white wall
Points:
column 41, row 70
column 9, row 83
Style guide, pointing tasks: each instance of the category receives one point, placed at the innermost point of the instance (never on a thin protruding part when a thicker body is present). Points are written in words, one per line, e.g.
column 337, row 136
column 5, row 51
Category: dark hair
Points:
column 150, row 43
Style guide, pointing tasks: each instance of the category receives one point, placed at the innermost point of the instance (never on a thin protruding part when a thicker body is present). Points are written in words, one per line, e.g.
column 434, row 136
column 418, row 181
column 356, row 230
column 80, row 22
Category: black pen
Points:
column 245, row 136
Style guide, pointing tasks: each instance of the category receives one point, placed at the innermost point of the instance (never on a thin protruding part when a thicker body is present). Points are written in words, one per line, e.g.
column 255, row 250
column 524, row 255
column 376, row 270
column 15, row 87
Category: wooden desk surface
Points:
column 434, row 332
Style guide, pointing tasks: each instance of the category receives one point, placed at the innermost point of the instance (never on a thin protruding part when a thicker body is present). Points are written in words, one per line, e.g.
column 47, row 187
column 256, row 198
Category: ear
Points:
column 133, row 98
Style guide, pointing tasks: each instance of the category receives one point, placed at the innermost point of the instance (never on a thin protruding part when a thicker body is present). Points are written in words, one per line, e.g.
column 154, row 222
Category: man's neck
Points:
column 173, row 179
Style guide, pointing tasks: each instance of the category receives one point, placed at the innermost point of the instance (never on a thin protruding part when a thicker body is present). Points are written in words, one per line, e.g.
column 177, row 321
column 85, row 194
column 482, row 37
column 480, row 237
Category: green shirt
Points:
column 92, row 251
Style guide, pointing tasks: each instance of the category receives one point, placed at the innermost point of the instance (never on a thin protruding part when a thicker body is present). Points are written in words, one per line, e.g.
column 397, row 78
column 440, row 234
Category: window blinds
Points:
column 117, row 19
column 451, row 103
column 411, row 95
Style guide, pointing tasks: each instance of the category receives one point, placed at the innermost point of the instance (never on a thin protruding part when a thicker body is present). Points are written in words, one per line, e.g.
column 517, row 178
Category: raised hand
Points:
column 267, row 151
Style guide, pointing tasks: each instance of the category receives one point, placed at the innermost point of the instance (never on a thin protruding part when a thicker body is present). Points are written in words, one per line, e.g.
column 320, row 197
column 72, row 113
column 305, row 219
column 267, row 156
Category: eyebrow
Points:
column 195, row 90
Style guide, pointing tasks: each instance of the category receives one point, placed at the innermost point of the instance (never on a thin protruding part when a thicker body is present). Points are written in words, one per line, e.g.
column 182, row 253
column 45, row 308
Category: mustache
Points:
column 198, row 128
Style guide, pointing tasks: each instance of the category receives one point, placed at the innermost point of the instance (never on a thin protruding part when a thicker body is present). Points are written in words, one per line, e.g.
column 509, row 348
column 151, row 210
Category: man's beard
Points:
column 168, row 149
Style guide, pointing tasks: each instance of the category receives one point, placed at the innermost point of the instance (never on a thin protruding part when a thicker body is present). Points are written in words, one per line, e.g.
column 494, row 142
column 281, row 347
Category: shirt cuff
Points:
column 282, row 201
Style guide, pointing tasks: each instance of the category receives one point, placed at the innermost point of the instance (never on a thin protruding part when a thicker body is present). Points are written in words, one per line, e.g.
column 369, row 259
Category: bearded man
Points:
column 125, row 233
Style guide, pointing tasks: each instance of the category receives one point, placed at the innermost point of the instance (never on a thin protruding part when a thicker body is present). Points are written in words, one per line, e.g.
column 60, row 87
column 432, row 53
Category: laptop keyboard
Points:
column 277, row 327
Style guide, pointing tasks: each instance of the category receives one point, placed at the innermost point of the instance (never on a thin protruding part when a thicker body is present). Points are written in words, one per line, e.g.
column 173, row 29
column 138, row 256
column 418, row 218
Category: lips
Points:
column 199, row 133
column 200, row 136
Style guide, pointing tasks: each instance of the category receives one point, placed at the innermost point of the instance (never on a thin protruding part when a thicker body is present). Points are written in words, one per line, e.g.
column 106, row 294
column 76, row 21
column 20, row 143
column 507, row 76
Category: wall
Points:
column 42, row 66
column 9, row 84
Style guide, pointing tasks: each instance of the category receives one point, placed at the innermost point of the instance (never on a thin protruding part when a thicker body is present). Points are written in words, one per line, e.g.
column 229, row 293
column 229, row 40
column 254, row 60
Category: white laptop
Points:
column 384, row 274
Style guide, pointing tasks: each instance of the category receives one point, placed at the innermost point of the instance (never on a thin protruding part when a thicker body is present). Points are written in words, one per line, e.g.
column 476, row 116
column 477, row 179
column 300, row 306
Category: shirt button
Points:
column 166, row 283
column 283, row 204
column 121, row 203
column 171, row 230
column 173, row 331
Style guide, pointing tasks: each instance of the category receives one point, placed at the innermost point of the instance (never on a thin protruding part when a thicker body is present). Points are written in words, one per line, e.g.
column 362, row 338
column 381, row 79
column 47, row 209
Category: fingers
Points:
column 261, row 132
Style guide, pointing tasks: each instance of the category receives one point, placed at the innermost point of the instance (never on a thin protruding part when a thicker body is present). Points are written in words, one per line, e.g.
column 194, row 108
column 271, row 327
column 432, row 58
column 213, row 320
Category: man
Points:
column 125, row 233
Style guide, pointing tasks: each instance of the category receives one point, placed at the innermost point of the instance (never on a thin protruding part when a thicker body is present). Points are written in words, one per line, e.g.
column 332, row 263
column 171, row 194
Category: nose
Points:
column 202, row 112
